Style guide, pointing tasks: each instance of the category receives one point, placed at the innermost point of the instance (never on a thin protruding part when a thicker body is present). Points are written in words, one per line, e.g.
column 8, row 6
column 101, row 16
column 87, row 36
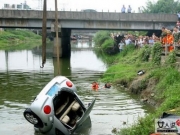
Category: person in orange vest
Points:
column 170, row 40
column 169, row 37
column 95, row 86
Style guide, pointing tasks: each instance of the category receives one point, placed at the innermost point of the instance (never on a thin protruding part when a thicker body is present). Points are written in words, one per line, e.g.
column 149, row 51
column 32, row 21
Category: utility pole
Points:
column 44, row 27
column 57, row 36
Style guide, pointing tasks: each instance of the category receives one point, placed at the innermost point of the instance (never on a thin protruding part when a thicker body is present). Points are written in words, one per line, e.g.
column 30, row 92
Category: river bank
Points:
column 19, row 40
column 22, row 79
column 159, row 85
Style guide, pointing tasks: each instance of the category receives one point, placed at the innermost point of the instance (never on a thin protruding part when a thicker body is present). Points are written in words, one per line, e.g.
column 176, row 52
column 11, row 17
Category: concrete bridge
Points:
column 87, row 20
column 84, row 20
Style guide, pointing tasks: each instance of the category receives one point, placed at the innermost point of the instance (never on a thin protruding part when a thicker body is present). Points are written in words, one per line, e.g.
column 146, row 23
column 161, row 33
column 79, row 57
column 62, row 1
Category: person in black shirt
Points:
column 107, row 85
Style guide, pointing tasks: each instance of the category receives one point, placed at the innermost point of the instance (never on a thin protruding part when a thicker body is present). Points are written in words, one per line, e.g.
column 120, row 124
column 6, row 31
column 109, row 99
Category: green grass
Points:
column 107, row 44
column 18, row 39
column 125, row 65
column 145, row 126
column 167, row 90
column 101, row 37
column 123, row 69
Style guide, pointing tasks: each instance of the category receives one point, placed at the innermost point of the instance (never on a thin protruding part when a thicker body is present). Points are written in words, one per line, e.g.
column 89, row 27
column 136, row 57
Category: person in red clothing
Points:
column 95, row 86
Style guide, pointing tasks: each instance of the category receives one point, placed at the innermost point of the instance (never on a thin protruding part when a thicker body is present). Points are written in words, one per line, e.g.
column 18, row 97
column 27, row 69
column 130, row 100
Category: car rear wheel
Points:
column 32, row 118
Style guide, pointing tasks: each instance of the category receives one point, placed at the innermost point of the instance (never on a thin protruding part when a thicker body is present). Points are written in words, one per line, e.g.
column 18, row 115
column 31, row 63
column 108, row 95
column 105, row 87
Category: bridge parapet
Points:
column 96, row 16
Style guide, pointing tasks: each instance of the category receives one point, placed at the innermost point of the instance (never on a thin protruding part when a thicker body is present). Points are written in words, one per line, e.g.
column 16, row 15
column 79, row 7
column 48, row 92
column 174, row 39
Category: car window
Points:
column 53, row 90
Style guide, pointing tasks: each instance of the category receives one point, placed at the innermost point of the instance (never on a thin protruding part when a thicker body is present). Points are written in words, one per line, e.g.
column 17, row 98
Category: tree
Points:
column 162, row 6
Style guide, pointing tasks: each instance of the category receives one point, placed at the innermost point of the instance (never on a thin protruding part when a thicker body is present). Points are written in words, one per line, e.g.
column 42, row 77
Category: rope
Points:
column 44, row 34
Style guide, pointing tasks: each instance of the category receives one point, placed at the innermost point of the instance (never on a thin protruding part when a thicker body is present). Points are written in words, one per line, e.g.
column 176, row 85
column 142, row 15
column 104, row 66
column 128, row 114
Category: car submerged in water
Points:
column 57, row 109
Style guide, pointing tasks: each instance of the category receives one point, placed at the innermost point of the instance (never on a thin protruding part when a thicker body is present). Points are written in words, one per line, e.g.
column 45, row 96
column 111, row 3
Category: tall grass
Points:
column 18, row 39
column 167, row 87
column 101, row 37
column 108, row 43
column 171, row 100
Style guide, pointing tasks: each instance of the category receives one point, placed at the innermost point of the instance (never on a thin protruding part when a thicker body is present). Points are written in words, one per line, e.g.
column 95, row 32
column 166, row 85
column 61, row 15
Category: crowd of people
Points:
column 123, row 9
column 138, row 41
column 129, row 9
column 168, row 37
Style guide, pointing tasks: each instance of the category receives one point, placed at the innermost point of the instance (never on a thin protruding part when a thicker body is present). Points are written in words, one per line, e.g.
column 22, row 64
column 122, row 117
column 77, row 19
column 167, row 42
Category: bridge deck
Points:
column 87, row 20
column 108, row 16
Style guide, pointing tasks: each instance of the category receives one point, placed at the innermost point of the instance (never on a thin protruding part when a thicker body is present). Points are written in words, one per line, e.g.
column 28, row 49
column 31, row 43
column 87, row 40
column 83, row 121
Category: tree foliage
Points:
column 171, row 59
column 145, row 53
column 101, row 37
column 162, row 6
column 156, row 53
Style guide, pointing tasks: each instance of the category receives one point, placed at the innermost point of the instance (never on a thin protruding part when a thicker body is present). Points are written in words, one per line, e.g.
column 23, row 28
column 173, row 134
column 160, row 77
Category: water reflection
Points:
column 21, row 79
column 65, row 67
column 82, row 44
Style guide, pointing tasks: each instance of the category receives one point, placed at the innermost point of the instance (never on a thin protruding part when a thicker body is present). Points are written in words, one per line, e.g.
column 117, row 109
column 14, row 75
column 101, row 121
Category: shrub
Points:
column 156, row 53
column 127, row 49
column 100, row 37
column 145, row 53
column 109, row 43
column 171, row 59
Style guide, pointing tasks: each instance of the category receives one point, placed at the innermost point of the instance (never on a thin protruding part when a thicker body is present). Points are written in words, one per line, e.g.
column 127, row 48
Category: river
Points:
column 21, row 79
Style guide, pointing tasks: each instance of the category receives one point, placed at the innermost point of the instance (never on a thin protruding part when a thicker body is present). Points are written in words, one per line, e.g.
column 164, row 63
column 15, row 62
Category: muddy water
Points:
column 21, row 79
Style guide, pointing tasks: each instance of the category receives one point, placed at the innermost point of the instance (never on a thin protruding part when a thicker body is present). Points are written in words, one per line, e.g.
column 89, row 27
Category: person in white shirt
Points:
column 123, row 9
column 139, row 10
column 178, row 14
column 121, row 45
column 154, row 36
column 127, row 40
column 129, row 9
column 140, row 41
column 151, row 41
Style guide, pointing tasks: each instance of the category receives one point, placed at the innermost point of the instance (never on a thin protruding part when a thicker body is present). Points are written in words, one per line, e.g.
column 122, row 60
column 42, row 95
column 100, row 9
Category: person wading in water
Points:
column 95, row 86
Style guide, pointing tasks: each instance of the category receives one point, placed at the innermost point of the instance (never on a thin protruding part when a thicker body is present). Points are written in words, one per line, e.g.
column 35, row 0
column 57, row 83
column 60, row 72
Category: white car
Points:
column 57, row 109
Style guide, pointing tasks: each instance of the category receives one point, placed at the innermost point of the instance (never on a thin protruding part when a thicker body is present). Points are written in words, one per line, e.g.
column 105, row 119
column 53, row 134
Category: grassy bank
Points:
column 160, row 83
column 18, row 39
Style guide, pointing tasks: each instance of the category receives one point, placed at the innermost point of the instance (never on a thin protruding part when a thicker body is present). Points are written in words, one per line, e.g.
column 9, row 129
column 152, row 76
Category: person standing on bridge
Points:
column 129, row 9
column 123, row 9
column 139, row 10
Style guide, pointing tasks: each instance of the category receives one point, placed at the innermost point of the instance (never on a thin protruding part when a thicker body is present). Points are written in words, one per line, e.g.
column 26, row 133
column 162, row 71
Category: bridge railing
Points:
column 81, row 10
column 73, row 15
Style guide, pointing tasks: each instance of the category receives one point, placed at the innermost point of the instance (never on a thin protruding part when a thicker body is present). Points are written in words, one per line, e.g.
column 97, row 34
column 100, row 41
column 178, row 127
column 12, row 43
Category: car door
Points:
column 86, row 114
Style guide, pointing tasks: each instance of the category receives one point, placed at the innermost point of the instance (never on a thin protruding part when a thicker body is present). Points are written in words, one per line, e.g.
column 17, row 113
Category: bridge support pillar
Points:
column 63, row 43
column 66, row 42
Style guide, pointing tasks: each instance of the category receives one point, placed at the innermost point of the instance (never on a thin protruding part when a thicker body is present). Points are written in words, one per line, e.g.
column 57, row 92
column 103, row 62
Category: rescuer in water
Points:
column 107, row 85
column 95, row 86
